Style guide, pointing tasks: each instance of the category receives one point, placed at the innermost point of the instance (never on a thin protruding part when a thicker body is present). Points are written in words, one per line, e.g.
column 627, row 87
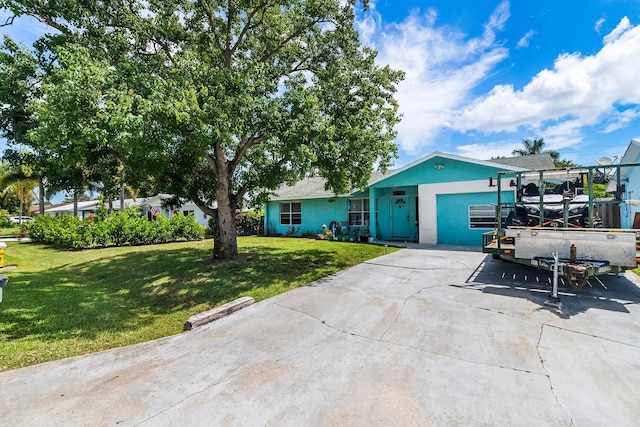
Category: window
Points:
column 484, row 216
column 187, row 213
column 358, row 211
column 290, row 213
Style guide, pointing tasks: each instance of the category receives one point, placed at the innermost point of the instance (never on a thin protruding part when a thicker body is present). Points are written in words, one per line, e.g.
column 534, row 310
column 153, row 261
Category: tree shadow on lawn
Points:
column 128, row 291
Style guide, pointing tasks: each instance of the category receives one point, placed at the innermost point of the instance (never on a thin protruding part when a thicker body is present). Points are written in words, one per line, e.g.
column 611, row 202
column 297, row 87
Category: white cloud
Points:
column 524, row 41
column 599, row 24
column 620, row 29
column 489, row 150
column 579, row 91
column 622, row 120
column 442, row 65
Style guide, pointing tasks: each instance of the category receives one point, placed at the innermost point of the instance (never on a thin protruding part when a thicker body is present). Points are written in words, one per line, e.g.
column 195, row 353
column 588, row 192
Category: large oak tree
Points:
column 222, row 100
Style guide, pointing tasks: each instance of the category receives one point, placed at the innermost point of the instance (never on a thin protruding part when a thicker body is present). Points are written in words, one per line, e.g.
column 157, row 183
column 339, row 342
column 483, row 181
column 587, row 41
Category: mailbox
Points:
column 3, row 246
column 3, row 283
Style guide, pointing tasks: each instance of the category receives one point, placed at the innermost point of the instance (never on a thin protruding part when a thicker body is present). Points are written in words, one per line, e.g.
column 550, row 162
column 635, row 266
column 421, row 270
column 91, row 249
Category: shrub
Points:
column 5, row 222
column 186, row 228
column 117, row 229
column 250, row 223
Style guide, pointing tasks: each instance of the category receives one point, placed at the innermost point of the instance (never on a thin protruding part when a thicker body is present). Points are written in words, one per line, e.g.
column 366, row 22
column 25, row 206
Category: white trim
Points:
column 450, row 157
column 428, row 206
column 290, row 213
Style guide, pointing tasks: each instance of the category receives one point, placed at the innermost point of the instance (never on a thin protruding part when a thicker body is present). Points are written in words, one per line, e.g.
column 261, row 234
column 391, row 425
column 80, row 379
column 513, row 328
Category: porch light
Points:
column 439, row 166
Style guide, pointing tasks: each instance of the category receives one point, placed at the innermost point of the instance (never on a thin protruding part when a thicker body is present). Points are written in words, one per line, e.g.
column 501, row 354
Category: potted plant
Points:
column 365, row 234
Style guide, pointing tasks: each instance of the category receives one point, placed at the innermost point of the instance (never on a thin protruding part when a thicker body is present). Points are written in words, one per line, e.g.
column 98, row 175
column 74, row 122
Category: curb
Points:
column 217, row 312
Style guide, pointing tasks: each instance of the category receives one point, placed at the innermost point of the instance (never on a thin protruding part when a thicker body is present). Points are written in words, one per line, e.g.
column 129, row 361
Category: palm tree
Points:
column 535, row 147
column 14, row 181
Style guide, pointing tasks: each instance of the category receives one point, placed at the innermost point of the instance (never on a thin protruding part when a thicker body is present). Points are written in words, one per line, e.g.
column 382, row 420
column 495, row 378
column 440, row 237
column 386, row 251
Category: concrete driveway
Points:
column 423, row 336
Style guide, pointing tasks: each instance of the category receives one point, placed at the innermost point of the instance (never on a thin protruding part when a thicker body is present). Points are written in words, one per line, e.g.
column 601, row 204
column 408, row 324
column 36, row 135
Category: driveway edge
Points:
column 217, row 312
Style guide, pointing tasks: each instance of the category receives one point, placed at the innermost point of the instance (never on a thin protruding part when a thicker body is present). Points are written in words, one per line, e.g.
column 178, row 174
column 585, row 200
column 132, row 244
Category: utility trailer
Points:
column 552, row 224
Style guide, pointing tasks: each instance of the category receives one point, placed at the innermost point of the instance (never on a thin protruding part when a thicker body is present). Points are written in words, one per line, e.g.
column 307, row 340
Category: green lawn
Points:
column 62, row 303
column 8, row 232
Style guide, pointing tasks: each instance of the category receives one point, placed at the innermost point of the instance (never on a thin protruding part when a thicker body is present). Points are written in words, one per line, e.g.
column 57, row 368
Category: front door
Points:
column 400, row 217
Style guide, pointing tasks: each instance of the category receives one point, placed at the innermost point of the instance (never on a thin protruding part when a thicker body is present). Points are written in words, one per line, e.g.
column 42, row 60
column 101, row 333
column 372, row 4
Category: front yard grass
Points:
column 62, row 303
column 9, row 231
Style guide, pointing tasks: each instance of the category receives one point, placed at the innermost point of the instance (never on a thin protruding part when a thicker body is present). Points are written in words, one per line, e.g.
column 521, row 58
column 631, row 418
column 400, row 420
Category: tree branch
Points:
column 242, row 150
column 244, row 189
column 268, row 55
column 50, row 22
column 206, row 8
column 8, row 22
column 248, row 26
column 211, row 161
column 227, row 49
column 299, row 66
column 203, row 207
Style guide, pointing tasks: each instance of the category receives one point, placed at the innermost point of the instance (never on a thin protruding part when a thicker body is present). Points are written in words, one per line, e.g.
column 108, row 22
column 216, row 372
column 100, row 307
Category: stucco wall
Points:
column 315, row 213
column 458, row 219
column 632, row 195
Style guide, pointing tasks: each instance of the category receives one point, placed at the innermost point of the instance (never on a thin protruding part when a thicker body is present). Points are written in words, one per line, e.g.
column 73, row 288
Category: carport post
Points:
column 554, row 299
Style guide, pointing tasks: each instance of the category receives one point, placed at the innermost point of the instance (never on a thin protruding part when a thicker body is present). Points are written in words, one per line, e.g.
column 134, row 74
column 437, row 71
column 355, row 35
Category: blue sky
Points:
column 482, row 75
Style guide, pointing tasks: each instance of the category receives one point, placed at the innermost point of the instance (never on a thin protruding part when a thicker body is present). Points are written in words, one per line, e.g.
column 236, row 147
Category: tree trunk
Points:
column 122, row 198
column 75, row 203
column 225, row 239
column 110, row 205
column 41, row 195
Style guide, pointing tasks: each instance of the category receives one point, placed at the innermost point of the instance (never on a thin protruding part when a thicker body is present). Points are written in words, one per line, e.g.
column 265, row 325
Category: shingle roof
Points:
column 533, row 161
column 313, row 188
column 310, row 188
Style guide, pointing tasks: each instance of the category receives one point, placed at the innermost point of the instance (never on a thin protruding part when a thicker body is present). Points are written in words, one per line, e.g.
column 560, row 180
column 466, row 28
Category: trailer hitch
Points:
column 576, row 274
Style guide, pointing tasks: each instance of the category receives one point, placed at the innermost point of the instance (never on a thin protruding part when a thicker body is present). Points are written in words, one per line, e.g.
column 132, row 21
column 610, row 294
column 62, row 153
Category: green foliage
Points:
column 599, row 190
column 119, row 229
column 292, row 231
column 4, row 219
column 535, row 146
column 250, row 223
column 216, row 101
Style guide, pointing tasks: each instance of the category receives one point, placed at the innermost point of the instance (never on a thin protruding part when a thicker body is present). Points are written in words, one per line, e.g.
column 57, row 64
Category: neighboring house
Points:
column 147, row 205
column 85, row 209
column 630, row 179
column 441, row 198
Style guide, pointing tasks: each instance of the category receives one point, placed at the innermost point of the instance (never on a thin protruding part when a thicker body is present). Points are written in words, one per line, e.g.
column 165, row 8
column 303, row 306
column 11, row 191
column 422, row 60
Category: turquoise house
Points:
column 439, row 199
column 630, row 179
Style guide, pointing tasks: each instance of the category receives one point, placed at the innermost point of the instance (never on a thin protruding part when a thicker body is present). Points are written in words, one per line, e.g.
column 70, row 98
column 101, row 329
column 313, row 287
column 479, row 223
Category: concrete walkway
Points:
column 424, row 336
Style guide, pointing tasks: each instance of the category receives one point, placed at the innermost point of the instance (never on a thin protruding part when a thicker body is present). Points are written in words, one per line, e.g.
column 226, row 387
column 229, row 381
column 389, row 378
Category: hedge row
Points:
column 119, row 229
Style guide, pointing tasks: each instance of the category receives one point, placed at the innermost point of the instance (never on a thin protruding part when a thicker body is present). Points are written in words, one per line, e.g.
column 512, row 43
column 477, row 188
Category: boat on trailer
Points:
column 552, row 225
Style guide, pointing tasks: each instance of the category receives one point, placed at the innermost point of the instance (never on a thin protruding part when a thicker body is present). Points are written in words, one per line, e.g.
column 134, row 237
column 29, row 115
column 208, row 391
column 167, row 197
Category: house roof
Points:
column 90, row 205
column 532, row 162
column 314, row 188
column 159, row 198
column 311, row 188
column 631, row 155
column 154, row 200
column 35, row 209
